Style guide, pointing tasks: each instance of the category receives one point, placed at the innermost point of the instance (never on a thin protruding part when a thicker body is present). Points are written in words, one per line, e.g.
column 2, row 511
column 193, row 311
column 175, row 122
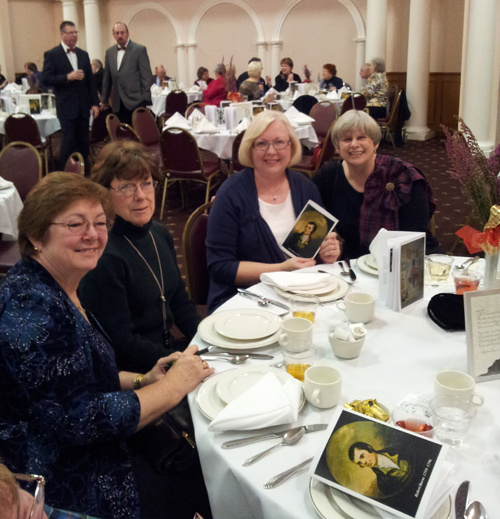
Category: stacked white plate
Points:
column 368, row 264
column 336, row 289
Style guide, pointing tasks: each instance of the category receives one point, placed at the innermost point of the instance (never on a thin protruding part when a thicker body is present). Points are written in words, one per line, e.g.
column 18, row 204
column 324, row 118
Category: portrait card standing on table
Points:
column 309, row 231
column 482, row 327
column 390, row 468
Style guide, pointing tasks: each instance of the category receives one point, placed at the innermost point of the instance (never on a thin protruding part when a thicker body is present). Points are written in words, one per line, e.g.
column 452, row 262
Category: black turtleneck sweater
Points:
column 124, row 297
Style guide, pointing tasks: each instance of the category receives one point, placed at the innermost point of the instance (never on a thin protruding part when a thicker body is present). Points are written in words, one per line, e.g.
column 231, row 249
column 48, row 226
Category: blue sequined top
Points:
column 62, row 414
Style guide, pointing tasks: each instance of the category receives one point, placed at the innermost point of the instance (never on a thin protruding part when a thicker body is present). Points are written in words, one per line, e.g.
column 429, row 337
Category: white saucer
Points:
column 247, row 324
column 365, row 266
column 340, row 291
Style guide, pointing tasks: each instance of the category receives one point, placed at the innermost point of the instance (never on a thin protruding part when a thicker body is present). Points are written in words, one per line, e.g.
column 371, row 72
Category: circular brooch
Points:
column 389, row 186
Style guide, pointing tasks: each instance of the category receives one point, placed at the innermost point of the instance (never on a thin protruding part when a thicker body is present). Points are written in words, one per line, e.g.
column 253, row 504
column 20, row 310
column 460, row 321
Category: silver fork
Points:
column 280, row 478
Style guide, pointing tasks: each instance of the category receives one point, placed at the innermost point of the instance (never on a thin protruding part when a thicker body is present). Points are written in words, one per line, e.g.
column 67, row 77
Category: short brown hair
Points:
column 332, row 69
column 258, row 127
column 49, row 198
column 287, row 61
column 124, row 160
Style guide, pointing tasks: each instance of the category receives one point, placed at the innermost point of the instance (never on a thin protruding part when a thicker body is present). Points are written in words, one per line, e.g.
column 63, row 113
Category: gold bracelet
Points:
column 138, row 381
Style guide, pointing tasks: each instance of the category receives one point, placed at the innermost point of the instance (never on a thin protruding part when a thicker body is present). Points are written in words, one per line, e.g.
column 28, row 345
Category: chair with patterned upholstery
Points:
column 195, row 255
column 112, row 124
column 21, row 164
column 75, row 164
column 183, row 161
column 176, row 101
column 235, row 165
column 324, row 114
column 353, row 102
column 23, row 128
column 145, row 126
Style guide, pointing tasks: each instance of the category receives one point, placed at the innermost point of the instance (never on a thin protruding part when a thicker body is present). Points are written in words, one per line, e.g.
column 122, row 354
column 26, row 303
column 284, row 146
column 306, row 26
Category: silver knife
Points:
column 351, row 272
column 246, row 441
column 261, row 299
column 280, row 478
column 461, row 500
column 252, row 355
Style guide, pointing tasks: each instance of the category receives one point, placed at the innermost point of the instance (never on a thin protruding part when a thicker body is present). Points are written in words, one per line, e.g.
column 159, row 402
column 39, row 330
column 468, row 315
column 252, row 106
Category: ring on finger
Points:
column 205, row 364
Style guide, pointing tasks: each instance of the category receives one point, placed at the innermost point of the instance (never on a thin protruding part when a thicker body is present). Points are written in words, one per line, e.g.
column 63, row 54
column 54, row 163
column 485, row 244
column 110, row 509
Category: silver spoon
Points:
column 237, row 359
column 344, row 271
column 476, row 511
column 467, row 263
column 288, row 439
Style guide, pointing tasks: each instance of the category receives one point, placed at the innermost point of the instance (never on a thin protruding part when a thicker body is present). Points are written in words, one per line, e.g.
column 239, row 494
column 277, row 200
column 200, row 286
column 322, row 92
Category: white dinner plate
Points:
column 209, row 402
column 340, row 291
column 365, row 267
column 247, row 325
column 209, row 334
column 236, row 382
column 327, row 505
column 353, row 507
column 372, row 261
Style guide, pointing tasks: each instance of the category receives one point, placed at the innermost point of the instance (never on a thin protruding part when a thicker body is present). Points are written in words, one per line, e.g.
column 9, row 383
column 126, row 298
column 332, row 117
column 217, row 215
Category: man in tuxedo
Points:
column 67, row 68
column 128, row 71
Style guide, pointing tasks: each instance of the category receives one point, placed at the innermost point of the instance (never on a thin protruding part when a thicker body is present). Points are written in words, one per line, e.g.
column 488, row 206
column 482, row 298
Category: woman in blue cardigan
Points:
column 255, row 209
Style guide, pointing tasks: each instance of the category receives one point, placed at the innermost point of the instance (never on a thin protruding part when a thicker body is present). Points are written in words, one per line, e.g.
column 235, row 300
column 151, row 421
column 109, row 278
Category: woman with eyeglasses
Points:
column 255, row 209
column 66, row 410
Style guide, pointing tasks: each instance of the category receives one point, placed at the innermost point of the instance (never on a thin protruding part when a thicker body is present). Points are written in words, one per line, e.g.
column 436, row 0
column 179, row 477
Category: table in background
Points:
column 47, row 124
column 401, row 355
column 10, row 207
column 158, row 106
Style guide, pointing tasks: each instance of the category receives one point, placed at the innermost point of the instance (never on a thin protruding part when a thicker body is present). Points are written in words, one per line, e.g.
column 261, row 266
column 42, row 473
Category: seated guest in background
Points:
column 266, row 84
column 255, row 209
column 203, row 75
column 365, row 71
column 66, row 410
column 160, row 76
column 138, row 272
column 368, row 192
column 98, row 72
column 252, row 87
column 330, row 80
column 377, row 89
column 3, row 81
column 35, row 78
column 286, row 75
column 217, row 90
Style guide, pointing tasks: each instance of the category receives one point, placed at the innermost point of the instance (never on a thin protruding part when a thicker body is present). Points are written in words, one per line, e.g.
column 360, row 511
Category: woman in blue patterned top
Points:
column 66, row 410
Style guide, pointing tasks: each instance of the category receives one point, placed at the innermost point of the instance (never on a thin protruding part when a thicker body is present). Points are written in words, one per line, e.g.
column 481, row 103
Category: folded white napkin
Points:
column 289, row 281
column 333, row 94
column 303, row 119
column 271, row 91
column 291, row 114
column 374, row 245
column 196, row 115
column 178, row 121
column 156, row 90
column 266, row 403
column 206, row 126
column 244, row 124
column 194, row 89
column 13, row 87
column 5, row 184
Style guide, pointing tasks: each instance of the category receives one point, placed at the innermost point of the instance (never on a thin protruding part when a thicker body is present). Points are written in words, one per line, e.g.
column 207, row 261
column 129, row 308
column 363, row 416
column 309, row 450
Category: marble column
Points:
column 376, row 29
column 417, row 77
column 6, row 51
column 262, row 54
column 275, row 58
column 70, row 13
column 360, row 59
column 191, row 47
column 477, row 81
column 181, row 66
column 93, row 29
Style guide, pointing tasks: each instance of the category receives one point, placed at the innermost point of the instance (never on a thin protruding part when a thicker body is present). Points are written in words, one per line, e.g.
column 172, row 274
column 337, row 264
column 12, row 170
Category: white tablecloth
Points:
column 47, row 123
column 221, row 143
column 401, row 355
column 158, row 106
column 10, row 207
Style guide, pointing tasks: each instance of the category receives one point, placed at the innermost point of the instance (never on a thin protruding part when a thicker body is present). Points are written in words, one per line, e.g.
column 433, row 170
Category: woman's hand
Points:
column 290, row 77
column 330, row 249
column 268, row 81
column 159, row 371
column 297, row 263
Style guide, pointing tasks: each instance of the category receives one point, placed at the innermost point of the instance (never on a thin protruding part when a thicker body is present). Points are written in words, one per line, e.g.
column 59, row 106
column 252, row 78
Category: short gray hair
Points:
column 254, row 69
column 355, row 120
column 378, row 64
column 220, row 69
column 257, row 127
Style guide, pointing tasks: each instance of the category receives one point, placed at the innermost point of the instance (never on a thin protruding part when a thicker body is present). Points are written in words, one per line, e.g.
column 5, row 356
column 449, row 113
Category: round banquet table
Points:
column 158, row 106
column 47, row 123
column 10, row 207
column 401, row 355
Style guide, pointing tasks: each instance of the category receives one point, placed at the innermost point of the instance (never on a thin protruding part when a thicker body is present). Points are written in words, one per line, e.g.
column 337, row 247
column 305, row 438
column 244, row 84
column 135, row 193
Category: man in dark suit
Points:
column 128, row 71
column 67, row 68
column 159, row 76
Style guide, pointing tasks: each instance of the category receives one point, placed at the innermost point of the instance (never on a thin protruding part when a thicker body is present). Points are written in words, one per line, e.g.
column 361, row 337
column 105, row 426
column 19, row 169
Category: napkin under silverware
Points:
column 289, row 281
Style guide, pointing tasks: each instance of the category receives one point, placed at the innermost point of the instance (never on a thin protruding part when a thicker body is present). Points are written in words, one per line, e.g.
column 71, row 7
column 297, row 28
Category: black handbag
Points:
column 447, row 311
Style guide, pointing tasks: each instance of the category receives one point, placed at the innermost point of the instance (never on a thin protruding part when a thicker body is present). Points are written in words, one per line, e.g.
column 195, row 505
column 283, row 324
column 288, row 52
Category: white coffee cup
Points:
column 459, row 384
column 359, row 307
column 295, row 329
column 323, row 386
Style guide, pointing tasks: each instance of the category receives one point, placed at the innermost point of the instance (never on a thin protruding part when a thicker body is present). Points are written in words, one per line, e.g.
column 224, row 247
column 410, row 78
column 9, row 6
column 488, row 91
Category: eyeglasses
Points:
column 83, row 225
column 39, row 501
column 264, row 145
column 129, row 190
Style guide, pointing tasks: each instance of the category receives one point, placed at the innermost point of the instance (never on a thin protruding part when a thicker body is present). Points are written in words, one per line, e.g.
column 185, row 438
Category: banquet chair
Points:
column 310, row 164
column 176, row 101
column 195, row 106
column 99, row 132
column 324, row 114
column 391, row 97
column 9, row 255
column 195, row 255
column 75, row 164
column 23, row 128
column 389, row 128
column 236, row 165
column 21, row 164
column 353, row 102
column 124, row 132
column 145, row 126
column 182, row 161
column 112, row 124
column 305, row 103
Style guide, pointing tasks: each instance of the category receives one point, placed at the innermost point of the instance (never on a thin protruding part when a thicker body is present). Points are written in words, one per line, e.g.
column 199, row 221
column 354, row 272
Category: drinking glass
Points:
column 466, row 281
column 452, row 417
column 413, row 420
column 298, row 357
column 304, row 305
column 439, row 266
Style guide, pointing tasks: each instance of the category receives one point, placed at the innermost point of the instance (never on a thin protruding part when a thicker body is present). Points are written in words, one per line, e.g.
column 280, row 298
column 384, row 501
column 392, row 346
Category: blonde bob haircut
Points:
column 254, row 69
column 354, row 120
column 257, row 127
